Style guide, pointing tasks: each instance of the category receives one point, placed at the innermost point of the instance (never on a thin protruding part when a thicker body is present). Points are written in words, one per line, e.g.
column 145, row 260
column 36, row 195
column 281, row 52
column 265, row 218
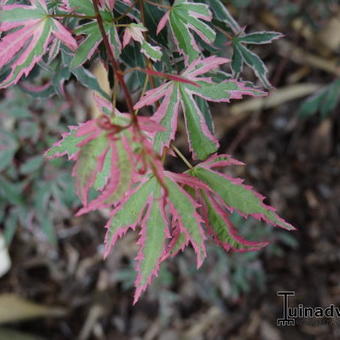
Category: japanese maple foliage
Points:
column 167, row 54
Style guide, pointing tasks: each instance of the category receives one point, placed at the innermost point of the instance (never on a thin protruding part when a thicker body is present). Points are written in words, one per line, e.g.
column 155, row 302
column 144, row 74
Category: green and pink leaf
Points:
column 128, row 214
column 239, row 197
column 27, row 44
column 178, row 94
column 222, row 230
column 152, row 242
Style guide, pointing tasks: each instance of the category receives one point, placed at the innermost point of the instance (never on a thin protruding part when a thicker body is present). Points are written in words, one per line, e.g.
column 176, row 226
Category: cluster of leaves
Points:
column 243, row 271
column 33, row 195
column 165, row 53
column 224, row 275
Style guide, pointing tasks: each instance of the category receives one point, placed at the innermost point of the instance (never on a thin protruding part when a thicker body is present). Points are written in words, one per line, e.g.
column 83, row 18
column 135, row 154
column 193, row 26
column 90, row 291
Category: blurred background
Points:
column 54, row 283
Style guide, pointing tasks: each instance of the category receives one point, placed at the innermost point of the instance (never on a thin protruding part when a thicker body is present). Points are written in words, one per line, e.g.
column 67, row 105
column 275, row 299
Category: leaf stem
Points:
column 182, row 157
column 229, row 36
column 78, row 16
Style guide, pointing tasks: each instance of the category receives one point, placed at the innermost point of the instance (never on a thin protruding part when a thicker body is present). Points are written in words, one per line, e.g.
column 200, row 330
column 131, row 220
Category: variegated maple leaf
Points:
column 30, row 30
column 230, row 194
column 184, row 18
column 106, row 154
column 182, row 94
